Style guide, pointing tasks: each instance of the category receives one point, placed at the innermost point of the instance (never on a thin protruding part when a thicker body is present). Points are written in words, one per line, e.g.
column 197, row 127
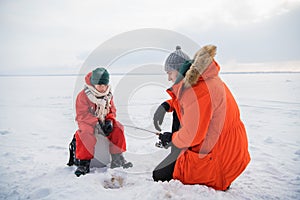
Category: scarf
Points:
column 102, row 100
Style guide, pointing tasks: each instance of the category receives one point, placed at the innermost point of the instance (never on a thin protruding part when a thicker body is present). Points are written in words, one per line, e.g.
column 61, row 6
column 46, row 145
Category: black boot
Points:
column 118, row 160
column 83, row 167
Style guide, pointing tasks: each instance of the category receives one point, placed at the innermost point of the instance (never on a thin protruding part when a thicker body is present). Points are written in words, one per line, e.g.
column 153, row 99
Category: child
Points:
column 96, row 114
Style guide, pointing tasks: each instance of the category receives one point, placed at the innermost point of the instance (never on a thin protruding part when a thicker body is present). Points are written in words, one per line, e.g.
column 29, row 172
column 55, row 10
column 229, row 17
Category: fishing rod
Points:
column 156, row 133
column 157, row 144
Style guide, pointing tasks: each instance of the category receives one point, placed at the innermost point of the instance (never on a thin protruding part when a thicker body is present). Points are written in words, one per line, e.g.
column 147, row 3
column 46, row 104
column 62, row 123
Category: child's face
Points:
column 172, row 75
column 101, row 88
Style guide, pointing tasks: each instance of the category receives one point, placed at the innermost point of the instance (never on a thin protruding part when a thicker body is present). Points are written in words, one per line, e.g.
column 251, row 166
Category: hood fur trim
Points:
column 202, row 59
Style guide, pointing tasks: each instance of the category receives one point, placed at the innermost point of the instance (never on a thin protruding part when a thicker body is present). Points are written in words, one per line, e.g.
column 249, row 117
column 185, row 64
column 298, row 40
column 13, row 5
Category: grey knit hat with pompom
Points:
column 175, row 60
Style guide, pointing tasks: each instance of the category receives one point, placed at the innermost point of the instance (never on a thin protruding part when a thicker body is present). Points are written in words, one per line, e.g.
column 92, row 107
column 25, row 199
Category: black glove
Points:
column 104, row 128
column 160, row 114
column 166, row 139
column 107, row 127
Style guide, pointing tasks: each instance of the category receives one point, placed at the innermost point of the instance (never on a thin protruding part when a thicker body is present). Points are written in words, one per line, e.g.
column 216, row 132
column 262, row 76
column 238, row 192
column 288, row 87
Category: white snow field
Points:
column 37, row 124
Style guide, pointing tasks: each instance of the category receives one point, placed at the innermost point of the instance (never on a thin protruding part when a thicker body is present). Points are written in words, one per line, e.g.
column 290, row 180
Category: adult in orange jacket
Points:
column 96, row 114
column 212, row 138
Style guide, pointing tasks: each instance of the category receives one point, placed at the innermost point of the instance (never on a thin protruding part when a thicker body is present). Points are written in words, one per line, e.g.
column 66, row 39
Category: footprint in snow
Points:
column 298, row 155
column 4, row 132
column 269, row 140
column 40, row 193
column 298, row 152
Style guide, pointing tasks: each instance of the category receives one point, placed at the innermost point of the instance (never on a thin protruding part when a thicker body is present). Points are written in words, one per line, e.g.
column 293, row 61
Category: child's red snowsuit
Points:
column 85, row 138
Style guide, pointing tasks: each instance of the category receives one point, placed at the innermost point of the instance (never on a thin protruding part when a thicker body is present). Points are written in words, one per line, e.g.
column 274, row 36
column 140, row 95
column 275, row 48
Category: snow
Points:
column 37, row 124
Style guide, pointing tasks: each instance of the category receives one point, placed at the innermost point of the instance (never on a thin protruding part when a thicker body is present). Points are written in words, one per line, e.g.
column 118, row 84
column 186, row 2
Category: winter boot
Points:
column 83, row 167
column 118, row 160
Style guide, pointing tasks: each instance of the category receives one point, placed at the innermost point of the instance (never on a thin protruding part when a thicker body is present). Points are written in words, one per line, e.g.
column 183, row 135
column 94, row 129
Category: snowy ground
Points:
column 37, row 123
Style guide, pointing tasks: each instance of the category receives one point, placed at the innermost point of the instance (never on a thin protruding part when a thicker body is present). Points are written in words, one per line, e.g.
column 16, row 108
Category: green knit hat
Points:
column 100, row 76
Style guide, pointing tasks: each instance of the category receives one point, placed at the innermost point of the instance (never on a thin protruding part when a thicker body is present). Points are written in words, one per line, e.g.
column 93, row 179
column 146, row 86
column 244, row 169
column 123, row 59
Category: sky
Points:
column 58, row 35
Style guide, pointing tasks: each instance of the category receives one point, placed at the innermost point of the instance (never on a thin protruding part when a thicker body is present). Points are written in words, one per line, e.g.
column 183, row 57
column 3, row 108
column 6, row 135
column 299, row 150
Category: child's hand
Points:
column 107, row 127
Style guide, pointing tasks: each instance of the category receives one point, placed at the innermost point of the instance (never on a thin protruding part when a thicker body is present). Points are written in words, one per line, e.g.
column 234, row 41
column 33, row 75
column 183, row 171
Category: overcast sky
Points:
column 60, row 34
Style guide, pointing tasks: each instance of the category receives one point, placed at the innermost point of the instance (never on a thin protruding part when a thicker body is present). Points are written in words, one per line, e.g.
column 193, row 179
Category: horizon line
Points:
column 149, row 74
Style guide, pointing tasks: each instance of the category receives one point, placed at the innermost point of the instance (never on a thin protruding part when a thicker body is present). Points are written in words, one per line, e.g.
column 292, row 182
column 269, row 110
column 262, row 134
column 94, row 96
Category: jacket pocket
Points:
column 199, row 168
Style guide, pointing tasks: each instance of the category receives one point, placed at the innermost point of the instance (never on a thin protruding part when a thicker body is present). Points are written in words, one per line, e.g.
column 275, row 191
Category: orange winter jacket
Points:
column 212, row 134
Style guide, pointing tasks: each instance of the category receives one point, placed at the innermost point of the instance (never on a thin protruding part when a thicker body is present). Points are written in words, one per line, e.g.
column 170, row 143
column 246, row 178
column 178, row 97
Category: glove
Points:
column 104, row 128
column 107, row 127
column 166, row 139
column 160, row 114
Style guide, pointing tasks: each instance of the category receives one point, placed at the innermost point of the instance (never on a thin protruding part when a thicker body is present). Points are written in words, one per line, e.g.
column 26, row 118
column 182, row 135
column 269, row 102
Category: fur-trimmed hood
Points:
column 202, row 60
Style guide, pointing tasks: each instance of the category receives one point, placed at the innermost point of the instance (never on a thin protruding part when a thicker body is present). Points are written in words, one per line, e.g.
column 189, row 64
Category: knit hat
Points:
column 100, row 76
column 176, row 59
